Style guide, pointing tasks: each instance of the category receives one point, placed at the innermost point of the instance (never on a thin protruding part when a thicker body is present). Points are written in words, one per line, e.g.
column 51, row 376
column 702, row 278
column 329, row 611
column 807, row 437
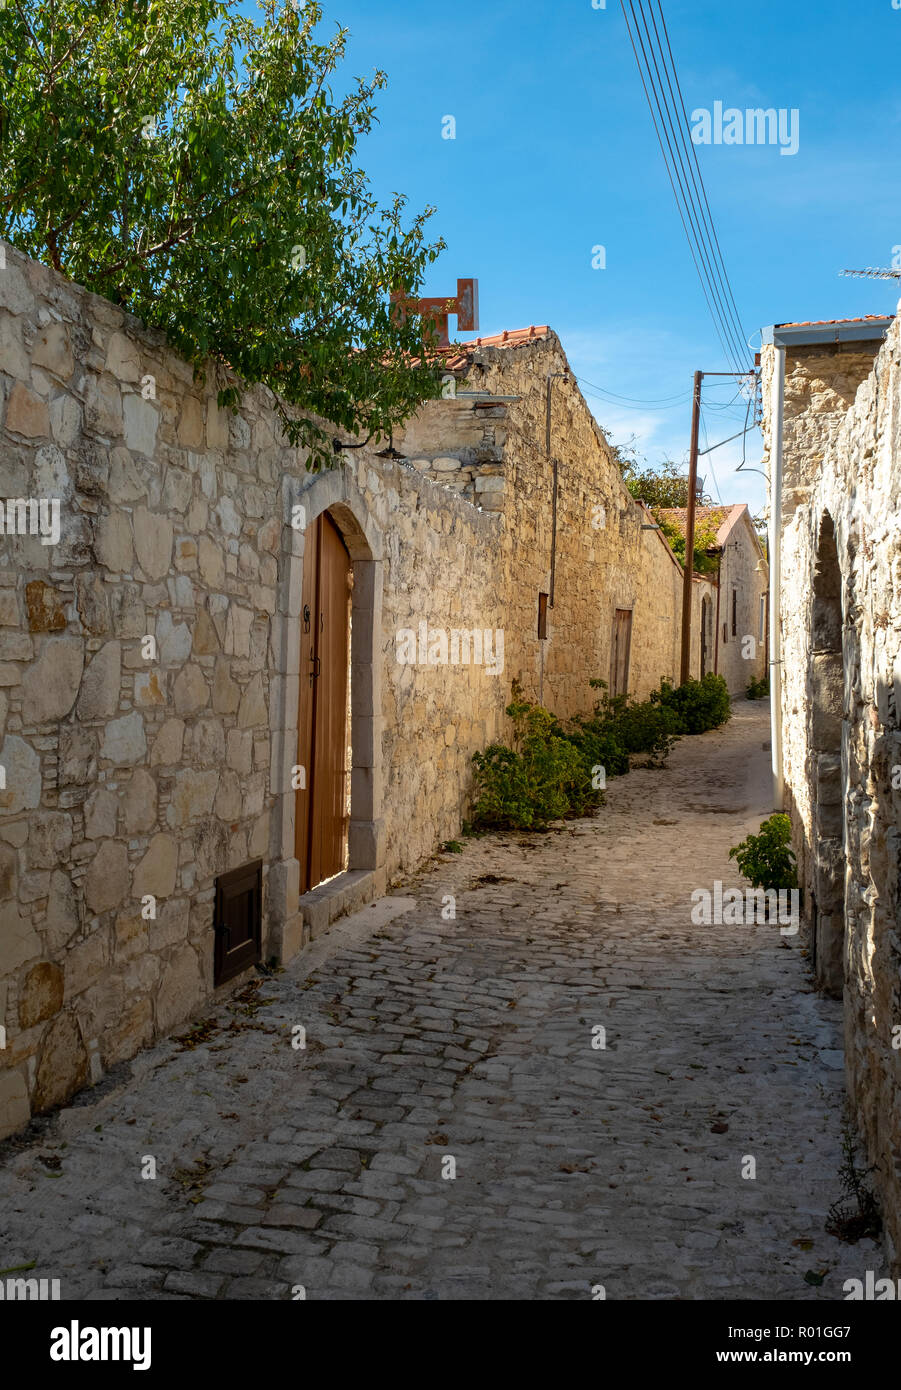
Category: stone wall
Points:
column 149, row 678
column 607, row 555
column 737, row 659
column 841, row 634
column 150, row 653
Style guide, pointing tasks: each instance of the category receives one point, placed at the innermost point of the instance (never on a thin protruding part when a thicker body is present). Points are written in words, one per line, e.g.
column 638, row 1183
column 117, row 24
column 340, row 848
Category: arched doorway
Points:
column 706, row 608
column 323, row 801
column 826, row 779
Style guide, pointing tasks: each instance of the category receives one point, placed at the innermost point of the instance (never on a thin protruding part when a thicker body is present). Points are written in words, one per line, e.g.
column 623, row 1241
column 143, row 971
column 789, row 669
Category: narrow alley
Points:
column 448, row 1130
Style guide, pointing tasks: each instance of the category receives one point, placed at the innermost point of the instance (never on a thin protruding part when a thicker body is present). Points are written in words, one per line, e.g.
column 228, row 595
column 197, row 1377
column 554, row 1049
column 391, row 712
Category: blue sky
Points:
column 555, row 154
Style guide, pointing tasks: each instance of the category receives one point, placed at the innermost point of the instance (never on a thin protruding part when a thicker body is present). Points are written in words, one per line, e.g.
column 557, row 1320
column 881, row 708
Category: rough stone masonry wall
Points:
column 850, row 470
column 821, row 383
column 738, row 567
column 134, row 776
column 604, row 559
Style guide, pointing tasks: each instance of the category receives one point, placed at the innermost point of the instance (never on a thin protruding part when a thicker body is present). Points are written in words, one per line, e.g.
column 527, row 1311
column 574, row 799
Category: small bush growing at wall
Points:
column 620, row 727
column 856, row 1214
column 550, row 772
column 758, row 689
column 697, row 705
column 540, row 779
column 767, row 859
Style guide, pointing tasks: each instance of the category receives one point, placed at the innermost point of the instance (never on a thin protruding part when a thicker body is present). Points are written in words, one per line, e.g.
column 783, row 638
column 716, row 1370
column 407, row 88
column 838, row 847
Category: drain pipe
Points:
column 777, row 408
column 551, row 377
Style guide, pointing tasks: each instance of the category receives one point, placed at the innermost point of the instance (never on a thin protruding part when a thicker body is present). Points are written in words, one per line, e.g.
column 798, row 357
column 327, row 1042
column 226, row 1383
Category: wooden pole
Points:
column 688, row 569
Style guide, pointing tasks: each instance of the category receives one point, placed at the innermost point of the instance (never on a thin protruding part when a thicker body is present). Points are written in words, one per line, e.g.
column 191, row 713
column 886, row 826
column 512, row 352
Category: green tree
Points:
column 705, row 540
column 663, row 486
column 195, row 167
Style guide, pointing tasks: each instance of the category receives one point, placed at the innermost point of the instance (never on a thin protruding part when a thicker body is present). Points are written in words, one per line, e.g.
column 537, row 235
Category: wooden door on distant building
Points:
column 622, row 644
column 706, row 608
column 320, row 826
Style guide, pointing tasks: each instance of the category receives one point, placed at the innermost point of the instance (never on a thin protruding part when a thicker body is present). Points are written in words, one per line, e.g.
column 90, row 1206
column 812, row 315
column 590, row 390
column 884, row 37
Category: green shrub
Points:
column 598, row 747
column 758, row 689
column 767, row 859
column 697, row 705
column 540, row 779
column 620, row 727
column 553, row 770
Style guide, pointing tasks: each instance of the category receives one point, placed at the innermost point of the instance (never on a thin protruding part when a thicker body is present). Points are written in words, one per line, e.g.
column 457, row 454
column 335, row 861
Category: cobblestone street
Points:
column 471, row 1039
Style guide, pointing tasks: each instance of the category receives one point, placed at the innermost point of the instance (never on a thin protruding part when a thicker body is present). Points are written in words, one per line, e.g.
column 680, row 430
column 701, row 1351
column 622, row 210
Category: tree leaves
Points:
column 175, row 156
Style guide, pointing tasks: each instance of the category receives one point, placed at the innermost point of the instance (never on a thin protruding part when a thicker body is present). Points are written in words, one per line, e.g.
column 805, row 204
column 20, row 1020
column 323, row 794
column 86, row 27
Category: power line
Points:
column 621, row 405
column 737, row 316
column 636, row 400
column 703, row 242
column 690, row 196
column 704, row 287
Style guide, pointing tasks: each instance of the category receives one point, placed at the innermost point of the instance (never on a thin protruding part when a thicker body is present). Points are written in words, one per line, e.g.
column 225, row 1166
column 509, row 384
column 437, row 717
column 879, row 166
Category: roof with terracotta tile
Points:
column 724, row 518
column 828, row 323
column 459, row 354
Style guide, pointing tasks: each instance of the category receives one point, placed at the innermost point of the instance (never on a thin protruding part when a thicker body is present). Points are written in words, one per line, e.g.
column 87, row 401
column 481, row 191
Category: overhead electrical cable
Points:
column 692, row 152
column 670, row 121
column 673, row 127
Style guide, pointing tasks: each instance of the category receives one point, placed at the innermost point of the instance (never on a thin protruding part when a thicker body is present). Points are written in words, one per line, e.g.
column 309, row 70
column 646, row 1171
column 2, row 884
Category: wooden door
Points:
column 622, row 643
column 321, row 813
column 705, row 636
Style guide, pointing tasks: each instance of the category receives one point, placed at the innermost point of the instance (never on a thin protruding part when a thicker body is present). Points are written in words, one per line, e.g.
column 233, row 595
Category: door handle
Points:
column 316, row 664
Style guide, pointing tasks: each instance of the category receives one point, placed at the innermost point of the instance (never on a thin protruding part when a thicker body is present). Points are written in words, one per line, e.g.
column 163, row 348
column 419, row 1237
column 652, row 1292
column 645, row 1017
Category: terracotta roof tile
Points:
column 828, row 323
column 723, row 517
column 459, row 354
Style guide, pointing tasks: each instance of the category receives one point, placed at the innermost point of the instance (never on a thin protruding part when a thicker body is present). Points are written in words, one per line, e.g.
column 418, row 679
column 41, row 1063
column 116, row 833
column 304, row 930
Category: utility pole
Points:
column 688, row 568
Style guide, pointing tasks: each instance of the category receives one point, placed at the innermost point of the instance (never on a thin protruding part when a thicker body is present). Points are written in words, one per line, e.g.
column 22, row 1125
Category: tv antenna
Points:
column 873, row 273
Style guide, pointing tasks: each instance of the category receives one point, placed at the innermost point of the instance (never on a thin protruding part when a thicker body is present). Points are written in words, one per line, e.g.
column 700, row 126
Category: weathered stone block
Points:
column 50, row 685
column 153, row 542
column 92, row 603
column 15, row 1111
column 124, row 742
column 141, row 421
column 139, row 803
column 42, row 994
column 23, row 776
column 226, row 692
column 49, row 839
column 107, row 880
column 26, row 413
column 192, row 796
column 63, row 1066
column 181, row 989
column 123, row 359
column 167, row 745
column 112, row 543
column 157, row 871
column 19, row 942
column 45, row 607
column 53, row 350
column 100, row 814
column 252, row 710
column 191, row 690
column 99, row 694
column 103, row 407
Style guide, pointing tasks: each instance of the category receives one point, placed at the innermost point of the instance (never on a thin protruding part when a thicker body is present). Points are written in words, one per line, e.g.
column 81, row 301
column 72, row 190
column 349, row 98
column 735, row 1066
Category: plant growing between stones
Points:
column 195, row 168
column 758, row 689
column 856, row 1214
column 767, row 859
